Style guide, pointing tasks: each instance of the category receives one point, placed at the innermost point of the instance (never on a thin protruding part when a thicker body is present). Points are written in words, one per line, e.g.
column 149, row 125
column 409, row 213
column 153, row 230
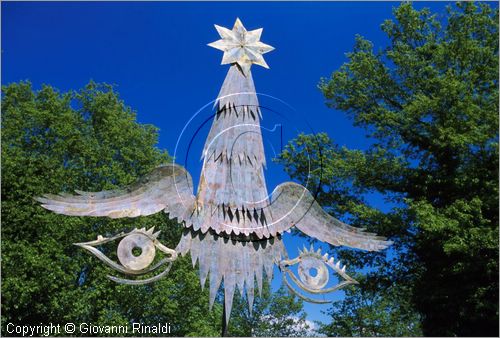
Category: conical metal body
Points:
column 229, row 237
column 232, row 192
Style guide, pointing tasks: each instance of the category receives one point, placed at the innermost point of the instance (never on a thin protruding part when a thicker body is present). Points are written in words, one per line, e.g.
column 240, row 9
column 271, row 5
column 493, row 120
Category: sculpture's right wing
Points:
column 168, row 187
column 293, row 205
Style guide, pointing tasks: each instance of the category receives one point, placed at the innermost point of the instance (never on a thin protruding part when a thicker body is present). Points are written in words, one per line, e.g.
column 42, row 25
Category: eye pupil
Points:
column 136, row 251
column 313, row 272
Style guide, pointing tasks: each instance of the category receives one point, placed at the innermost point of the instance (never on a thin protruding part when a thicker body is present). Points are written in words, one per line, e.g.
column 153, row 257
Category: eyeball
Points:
column 136, row 252
column 127, row 256
column 313, row 274
column 311, row 265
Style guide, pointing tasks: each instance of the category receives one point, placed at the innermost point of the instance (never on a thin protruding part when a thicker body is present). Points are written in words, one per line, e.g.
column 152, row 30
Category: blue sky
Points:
column 156, row 55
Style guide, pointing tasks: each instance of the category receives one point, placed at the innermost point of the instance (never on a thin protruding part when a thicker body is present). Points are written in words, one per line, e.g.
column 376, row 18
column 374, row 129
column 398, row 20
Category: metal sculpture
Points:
column 232, row 228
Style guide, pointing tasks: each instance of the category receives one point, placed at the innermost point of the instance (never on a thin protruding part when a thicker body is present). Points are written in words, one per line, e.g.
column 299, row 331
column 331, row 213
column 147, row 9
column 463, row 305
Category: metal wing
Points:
column 168, row 187
column 293, row 205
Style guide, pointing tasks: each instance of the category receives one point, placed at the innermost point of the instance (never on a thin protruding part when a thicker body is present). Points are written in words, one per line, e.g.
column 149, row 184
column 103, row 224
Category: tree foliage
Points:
column 429, row 103
column 278, row 314
column 90, row 140
column 369, row 312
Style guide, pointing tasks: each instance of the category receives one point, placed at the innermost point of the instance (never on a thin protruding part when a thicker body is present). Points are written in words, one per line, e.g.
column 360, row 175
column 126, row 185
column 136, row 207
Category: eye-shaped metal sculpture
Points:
column 313, row 274
column 136, row 251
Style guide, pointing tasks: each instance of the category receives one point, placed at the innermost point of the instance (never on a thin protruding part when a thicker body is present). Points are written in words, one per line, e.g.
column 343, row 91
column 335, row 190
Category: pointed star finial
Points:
column 241, row 46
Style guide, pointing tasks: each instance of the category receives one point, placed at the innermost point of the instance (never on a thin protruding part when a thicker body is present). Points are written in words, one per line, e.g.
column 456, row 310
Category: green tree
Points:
column 89, row 140
column 278, row 314
column 429, row 102
column 370, row 312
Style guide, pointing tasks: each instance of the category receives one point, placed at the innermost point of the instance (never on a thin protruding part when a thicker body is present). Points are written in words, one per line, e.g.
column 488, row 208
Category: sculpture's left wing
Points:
column 167, row 187
column 293, row 205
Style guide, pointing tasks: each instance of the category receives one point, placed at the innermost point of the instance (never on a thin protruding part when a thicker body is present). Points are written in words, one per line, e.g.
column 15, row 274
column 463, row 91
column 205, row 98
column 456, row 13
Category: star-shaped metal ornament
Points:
column 241, row 46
